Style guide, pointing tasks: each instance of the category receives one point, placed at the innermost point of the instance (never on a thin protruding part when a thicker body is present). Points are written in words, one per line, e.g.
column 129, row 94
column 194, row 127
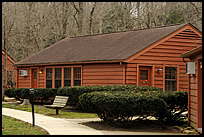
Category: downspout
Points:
column 123, row 72
column 188, row 95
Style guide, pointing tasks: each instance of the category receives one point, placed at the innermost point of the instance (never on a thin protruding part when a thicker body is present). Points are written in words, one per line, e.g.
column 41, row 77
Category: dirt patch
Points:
column 139, row 126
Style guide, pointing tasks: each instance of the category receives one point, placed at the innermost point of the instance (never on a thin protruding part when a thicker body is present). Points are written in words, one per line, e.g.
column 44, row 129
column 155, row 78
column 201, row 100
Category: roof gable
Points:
column 8, row 57
column 159, row 41
column 117, row 46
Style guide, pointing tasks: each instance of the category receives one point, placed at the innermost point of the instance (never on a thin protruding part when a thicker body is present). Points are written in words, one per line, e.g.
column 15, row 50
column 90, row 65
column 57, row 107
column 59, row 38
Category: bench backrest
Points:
column 60, row 101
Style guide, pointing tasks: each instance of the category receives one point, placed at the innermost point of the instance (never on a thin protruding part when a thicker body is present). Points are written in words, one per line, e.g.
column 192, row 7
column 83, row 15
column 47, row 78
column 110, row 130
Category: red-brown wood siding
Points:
column 42, row 78
column 131, row 74
column 102, row 74
column 24, row 81
column 167, row 54
column 9, row 67
column 195, row 103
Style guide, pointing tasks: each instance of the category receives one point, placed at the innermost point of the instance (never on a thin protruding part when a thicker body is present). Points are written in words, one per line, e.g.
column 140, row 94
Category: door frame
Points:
column 152, row 73
column 31, row 76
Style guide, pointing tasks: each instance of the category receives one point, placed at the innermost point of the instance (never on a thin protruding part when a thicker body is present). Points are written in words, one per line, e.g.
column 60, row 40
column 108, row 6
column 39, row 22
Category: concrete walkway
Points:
column 55, row 126
column 58, row 126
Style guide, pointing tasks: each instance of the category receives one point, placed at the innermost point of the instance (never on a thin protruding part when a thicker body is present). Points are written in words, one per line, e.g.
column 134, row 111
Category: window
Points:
column 48, row 77
column 170, row 78
column 67, row 76
column 77, row 76
column 70, row 75
column 9, row 78
column 58, row 76
column 143, row 74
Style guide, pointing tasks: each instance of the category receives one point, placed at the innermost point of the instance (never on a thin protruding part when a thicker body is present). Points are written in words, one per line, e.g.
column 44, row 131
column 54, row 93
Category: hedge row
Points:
column 123, row 105
column 116, row 102
column 23, row 93
column 175, row 102
column 75, row 91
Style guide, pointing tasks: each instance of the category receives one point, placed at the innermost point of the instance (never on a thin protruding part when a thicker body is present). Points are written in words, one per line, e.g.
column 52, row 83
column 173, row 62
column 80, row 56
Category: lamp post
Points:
column 31, row 92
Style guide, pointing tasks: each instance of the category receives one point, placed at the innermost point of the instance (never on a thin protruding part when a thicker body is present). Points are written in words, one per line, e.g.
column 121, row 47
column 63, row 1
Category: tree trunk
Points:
column 26, row 102
column 148, row 23
column 91, row 19
column 138, row 15
column 80, row 18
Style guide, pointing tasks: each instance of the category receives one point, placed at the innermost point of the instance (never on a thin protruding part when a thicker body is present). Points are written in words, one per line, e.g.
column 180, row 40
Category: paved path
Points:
column 58, row 126
column 55, row 126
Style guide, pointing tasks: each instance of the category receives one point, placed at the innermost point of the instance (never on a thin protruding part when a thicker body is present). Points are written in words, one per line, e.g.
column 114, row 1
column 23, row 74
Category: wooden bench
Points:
column 59, row 103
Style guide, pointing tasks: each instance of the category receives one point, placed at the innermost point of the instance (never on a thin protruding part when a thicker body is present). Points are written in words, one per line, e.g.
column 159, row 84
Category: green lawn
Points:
column 11, row 126
column 51, row 112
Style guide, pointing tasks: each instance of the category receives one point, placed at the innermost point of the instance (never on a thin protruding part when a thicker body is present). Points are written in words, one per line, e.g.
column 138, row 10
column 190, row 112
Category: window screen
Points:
column 48, row 77
column 170, row 78
column 58, row 77
column 143, row 74
column 77, row 76
column 67, row 76
column 9, row 78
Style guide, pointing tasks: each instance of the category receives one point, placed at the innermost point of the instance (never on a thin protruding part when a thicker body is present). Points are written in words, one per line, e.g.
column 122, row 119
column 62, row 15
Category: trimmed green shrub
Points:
column 19, row 93
column 123, row 105
column 45, row 93
column 23, row 93
column 177, row 102
column 75, row 91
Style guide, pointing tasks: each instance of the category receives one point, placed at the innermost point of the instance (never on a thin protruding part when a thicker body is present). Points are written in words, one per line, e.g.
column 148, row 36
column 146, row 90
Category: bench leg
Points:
column 57, row 111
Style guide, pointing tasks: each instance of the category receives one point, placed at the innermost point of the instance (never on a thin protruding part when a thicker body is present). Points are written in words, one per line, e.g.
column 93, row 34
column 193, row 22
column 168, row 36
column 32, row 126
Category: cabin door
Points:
column 145, row 76
column 34, row 76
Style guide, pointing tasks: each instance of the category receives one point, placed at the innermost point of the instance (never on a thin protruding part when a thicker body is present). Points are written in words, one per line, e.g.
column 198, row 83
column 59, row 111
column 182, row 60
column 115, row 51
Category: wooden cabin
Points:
column 195, row 88
column 138, row 57
column 10, row 71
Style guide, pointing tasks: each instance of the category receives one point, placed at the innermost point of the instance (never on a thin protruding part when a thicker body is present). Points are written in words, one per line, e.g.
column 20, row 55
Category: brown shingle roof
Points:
column 102, row 47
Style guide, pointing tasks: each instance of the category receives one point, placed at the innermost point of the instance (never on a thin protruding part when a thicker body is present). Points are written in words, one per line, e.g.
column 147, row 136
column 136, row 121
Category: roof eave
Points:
column 69, row 63
column 192, row 52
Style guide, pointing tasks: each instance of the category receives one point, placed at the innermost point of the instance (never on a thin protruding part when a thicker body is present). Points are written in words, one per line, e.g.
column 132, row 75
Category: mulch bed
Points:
column 138, row 126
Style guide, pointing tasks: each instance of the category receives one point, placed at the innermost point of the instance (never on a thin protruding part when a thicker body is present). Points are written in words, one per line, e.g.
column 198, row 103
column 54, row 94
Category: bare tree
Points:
column 91, row 18
column 7, row 26
column 38, row 25
column 78, row 16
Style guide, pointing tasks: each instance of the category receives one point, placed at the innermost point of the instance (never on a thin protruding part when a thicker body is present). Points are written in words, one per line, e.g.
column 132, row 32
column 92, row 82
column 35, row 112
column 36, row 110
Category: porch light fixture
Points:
column 159, row 70
column 201, row 64
column 41, row 71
